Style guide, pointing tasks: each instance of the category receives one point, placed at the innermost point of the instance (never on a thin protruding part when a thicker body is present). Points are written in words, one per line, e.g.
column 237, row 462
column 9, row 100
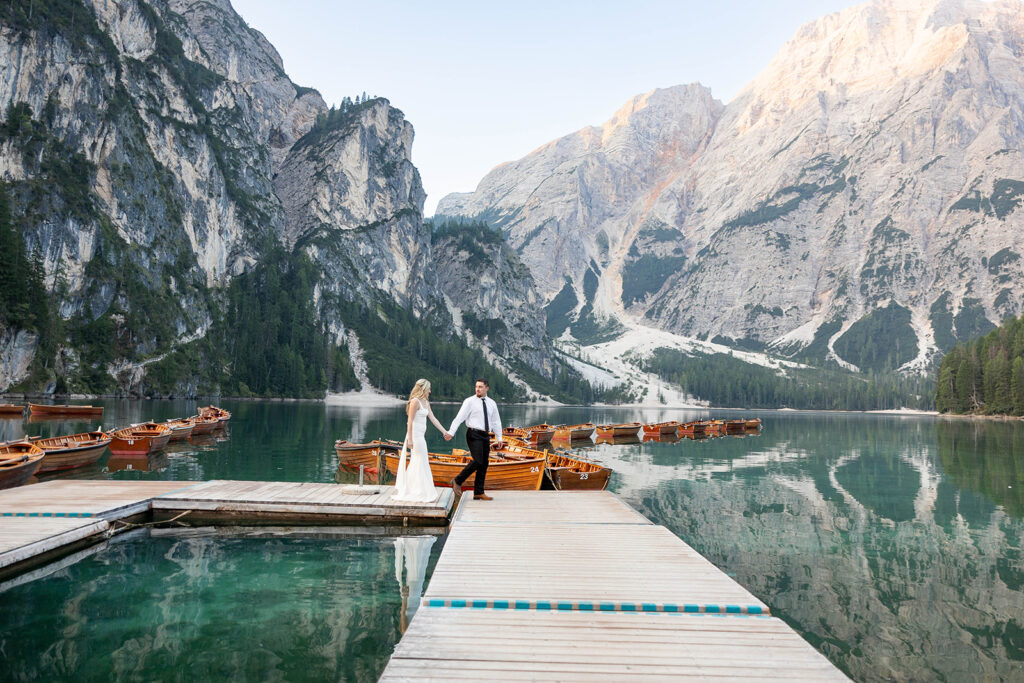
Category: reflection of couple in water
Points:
column 414, row 553
column 414, row 482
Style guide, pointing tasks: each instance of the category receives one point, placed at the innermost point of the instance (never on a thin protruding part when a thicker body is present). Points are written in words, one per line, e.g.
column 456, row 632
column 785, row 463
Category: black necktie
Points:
column 487, row 425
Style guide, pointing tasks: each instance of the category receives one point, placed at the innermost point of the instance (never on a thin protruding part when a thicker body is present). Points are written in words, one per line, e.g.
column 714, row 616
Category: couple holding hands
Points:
column 414, row 482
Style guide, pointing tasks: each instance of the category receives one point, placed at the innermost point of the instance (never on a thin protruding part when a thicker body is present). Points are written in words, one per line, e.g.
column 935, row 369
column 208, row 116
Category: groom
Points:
column 481, row 416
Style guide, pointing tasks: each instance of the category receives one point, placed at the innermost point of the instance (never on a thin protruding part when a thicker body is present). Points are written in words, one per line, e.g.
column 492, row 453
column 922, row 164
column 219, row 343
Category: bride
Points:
column 414, row 482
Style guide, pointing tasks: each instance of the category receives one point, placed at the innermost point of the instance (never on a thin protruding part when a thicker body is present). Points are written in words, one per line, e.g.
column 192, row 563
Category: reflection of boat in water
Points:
column 74, row 450
column 141, row 462
column 413, row 554
column 18, row 462
column 618, row 440
column 664, row 438
column 504, row 472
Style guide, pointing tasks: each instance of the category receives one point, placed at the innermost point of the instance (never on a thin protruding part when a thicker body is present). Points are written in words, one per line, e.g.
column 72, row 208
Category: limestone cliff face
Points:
column 155, row 150
column 868, row 182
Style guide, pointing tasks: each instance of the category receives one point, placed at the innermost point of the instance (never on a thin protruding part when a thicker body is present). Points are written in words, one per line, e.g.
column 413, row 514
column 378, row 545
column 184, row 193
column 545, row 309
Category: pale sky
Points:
column 483, row 83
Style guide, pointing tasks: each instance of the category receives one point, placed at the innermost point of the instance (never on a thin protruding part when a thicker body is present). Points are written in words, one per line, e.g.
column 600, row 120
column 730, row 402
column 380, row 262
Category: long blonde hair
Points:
column 420, row 389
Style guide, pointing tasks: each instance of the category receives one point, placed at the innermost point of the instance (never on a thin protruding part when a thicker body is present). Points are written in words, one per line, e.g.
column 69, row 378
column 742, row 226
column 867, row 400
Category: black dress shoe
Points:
column 456, row 487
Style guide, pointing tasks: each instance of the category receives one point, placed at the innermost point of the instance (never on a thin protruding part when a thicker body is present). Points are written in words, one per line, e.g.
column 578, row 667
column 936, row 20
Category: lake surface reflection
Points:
column 893, row 544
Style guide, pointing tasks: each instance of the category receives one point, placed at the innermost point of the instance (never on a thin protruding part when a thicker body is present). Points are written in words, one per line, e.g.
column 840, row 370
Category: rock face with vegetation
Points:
column 859, row 201
column 178, row 217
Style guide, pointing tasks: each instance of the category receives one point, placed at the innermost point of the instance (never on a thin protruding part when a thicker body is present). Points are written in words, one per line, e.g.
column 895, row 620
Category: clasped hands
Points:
column 447, row 436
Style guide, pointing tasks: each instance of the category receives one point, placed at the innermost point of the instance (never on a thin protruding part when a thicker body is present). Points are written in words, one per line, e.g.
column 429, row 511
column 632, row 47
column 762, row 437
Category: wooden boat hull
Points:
column 575, row 432
column 691, row 428
column 18, row 462
column 502, row 475
column 9, row 409
column 568, row 479
column 753, row 424
column 72, row 458
column 735, row 426
column 352, row 455
column 204, row 425
column 662, row 428
column 139, row 440
column 41, row 409
column 619, row 430
column 181, row 430
column 540, row 434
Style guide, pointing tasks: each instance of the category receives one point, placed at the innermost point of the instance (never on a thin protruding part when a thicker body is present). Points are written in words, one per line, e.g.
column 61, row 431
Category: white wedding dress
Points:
column 413, row 482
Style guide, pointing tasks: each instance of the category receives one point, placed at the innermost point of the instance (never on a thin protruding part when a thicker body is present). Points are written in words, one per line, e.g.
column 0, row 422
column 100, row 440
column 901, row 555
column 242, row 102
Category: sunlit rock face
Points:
column 196, row 153
column 874, row 166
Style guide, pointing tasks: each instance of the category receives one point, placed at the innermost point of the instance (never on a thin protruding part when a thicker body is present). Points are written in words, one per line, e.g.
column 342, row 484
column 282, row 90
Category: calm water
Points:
column 892, row 544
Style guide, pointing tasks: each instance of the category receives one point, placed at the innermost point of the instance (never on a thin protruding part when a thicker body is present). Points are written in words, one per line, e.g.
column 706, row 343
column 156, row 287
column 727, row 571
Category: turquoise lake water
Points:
column 892, row 544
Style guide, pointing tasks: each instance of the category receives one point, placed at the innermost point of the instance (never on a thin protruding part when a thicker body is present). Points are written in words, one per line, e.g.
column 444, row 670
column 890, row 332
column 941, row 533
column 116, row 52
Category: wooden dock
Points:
column 42, row 522
column 579, row 586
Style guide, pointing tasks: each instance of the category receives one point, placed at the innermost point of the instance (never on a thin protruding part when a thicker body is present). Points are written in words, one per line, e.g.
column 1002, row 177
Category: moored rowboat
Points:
column 18, row 462
column 204, row 425
column 181, row 428
column 584, row 430
column 670, row 427
column 565, row 471
column 220, row 414
column 542, row 433
column 693, row 428
column 503, row 473
column 735, row 425
column 65, row 409
column 74, row 450
column 11, row 409
column 753, row 424
column 352, row 455
column 141, row 438
column 623, row 429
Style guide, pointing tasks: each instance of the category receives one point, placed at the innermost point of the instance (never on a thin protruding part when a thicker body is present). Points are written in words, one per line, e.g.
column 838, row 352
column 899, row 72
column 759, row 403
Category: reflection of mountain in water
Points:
column 209, row 609
column 853, row 533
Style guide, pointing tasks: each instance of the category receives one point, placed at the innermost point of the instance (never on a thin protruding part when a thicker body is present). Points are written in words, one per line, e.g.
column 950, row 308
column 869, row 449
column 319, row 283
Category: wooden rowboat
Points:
column 670, row 427
column 693, row 428
column 623, row 429
column 753, row 424
column 141, row 438
column 19, row 460
column 735, row 425
column 181, row 428
column 713, row 426
column 584, row 430
column 352, row 455
column 65, row 409
column 74, row 450
column 503, row 473
column 220, row 414
column 563, row 470
column 11, row 409
column 204, row 425
column 542, row 433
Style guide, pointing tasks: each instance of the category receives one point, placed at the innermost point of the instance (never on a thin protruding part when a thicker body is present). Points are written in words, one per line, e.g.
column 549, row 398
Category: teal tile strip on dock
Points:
column 585, row 606
column 46, row 514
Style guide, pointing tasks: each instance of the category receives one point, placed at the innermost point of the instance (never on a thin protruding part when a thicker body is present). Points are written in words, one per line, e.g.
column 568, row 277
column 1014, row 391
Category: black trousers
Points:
column 479, row 444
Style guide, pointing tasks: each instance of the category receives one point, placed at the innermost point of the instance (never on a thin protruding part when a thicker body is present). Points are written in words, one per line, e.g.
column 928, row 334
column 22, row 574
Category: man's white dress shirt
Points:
column 472, row 413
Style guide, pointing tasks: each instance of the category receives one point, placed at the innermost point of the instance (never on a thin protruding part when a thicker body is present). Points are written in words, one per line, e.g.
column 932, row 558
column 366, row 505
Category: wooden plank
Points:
column 511, row 645
column 571, row 563
column 84, row 496
column 22, row 538
column 544, row 507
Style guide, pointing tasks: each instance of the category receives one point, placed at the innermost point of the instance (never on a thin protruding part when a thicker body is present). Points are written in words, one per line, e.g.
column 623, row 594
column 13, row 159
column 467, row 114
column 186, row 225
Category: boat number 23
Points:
column 584, row 475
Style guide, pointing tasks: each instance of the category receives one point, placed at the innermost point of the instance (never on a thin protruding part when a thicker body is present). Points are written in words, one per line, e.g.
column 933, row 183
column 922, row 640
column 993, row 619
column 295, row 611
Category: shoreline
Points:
column 380, row 400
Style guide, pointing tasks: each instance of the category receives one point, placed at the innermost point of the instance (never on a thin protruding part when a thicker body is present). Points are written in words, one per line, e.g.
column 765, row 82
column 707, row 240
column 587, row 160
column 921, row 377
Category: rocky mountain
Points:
column 859, row 201
column 171, row 181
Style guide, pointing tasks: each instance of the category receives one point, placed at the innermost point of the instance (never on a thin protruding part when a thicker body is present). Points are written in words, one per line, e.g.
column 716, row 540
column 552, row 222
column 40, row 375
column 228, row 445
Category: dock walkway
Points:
column 579, row 586
column 42, row 522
